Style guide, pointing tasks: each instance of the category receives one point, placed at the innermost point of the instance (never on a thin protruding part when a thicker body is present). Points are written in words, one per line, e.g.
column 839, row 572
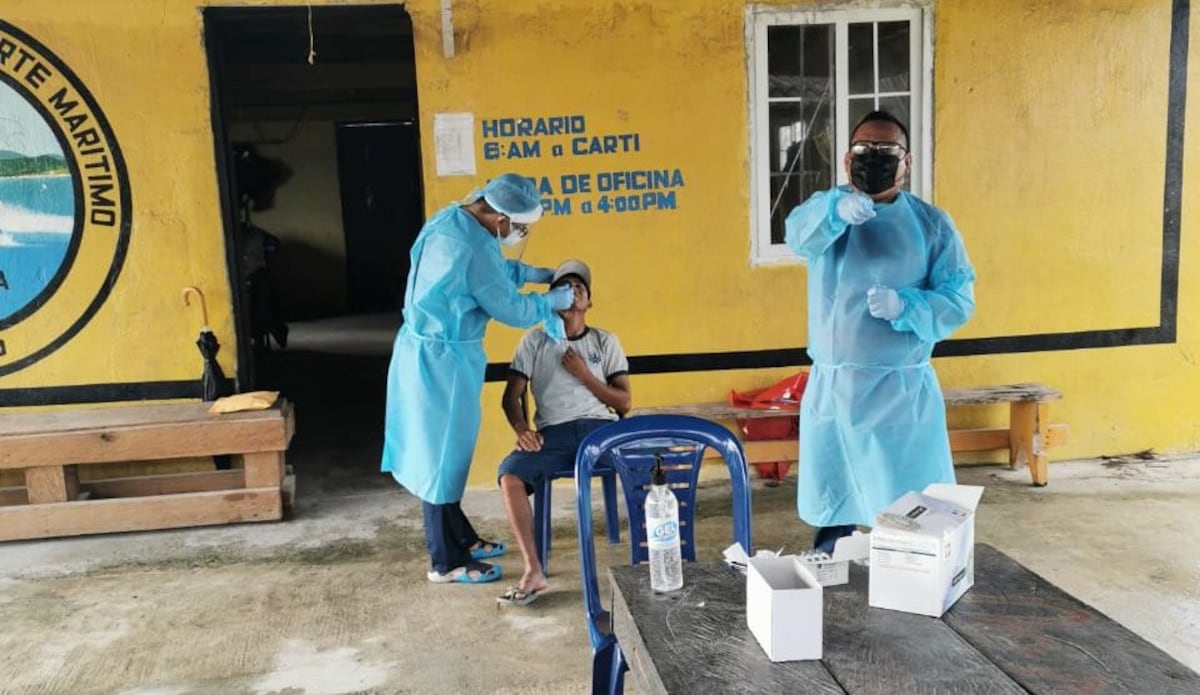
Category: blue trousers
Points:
column 448, row 536
column 560, row 443
column 827, row 536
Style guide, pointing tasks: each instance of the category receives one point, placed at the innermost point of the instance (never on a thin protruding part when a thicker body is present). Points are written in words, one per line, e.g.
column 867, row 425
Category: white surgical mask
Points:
column 512, row 239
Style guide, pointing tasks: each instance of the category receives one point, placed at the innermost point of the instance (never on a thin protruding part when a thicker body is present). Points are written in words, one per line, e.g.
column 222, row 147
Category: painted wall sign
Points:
column 64, row 203
column 600, row 191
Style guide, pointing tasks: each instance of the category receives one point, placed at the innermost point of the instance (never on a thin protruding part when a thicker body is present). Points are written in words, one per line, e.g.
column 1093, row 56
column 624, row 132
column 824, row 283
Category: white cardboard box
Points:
column 923, row 550
column 784, row 608
column 836, row 569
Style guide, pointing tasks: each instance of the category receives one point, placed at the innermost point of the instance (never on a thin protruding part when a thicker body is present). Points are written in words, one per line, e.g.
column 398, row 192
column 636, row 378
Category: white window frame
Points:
column 758, row 18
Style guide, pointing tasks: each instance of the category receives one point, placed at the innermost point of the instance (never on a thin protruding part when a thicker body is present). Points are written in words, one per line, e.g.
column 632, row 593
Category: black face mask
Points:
column 873, row 173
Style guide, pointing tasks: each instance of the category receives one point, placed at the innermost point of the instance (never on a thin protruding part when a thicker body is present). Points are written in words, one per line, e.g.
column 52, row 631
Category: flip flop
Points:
column 462, row 575
column 515, row 596
column 497, row 548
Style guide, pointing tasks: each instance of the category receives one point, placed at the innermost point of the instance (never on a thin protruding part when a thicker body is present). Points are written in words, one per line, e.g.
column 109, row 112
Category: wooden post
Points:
column 48, row 484
column 1029, row 433
column 264, row 469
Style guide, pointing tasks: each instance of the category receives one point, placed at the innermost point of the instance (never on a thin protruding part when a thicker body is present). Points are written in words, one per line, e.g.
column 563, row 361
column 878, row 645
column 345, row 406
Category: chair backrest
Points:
column 634, row 463
column 633, row 440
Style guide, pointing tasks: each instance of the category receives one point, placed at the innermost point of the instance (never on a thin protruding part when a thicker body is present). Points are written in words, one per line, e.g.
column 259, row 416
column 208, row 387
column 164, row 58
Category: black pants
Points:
column 448, row 536
column 827, row 536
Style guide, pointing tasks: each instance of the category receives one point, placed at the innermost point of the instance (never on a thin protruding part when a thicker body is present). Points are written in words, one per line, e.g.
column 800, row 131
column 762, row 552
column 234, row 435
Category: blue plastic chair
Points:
column 541, row 510
column 631, row 446
column 542, row 498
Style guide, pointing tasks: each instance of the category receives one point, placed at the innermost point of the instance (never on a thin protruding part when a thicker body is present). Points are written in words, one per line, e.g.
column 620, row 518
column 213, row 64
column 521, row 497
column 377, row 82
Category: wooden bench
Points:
column 50, row 448
column 1027, row 438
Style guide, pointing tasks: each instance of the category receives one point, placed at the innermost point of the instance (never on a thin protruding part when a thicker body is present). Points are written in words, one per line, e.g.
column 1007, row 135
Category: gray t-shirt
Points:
column 561, row 397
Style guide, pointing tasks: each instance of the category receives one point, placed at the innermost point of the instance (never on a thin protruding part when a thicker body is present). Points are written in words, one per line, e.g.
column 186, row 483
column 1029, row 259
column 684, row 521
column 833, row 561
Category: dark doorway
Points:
column 381, row 210
column 328, row 95
column 317, row 151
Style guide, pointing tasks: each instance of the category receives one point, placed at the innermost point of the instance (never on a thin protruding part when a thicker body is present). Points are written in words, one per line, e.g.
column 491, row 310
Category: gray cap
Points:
column 573, row 267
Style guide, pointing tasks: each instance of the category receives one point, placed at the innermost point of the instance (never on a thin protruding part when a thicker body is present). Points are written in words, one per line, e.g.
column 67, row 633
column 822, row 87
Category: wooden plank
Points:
column 993, row 439
column 139, row 513
column 763, row 450
column 13, row 495
column 985, row 439
column 696, row 641
column 148, row 485
column 1051, row 642
column 1009, row 393
column 44, row 484
column 264, row 469
column 876, row 651
column 1057, row 434
column 60, row 421
column 208, row 437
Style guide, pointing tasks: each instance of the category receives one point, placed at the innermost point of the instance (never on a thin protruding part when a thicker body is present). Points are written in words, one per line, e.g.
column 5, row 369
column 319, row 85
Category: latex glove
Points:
column 555, row 329
column 539, row 275
column 884, row 303
column 561, row 298
column 855, row 208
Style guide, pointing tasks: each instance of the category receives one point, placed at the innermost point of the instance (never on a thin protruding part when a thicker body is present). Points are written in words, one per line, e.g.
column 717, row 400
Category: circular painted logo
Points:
column 64, row 203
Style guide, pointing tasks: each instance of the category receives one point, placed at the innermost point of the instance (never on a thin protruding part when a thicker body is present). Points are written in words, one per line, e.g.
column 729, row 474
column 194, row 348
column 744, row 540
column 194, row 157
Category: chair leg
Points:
column 616, row 678
column 608, row 670
column 541, row 524
column 609, row 481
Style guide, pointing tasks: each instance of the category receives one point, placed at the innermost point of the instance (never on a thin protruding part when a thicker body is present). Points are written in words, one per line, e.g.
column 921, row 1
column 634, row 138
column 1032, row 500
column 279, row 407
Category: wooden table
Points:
column 1014, row 632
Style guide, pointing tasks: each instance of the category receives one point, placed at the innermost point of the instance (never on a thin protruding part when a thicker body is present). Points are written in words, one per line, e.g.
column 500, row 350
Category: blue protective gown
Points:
column 872, row 419
column 458, row 281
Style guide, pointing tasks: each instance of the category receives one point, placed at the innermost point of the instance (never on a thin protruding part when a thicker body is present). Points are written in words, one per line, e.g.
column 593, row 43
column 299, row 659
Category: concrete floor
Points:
column 335, row 601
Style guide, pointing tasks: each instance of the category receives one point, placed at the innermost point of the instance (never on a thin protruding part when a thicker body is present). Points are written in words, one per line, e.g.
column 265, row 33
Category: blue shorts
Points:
column 557, row 455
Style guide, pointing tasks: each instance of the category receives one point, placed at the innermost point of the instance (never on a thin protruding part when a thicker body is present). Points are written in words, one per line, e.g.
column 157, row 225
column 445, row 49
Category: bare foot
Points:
column 532, row 582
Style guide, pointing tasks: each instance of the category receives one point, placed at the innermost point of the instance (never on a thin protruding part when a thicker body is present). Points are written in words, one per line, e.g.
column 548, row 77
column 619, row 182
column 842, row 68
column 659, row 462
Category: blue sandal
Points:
column 488, row 549
column 485, row 573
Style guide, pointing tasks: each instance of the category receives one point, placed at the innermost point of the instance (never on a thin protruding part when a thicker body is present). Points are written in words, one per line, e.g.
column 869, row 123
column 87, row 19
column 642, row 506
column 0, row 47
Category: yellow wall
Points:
column 149, row 77
column 1049, row 134
column 1049, row 122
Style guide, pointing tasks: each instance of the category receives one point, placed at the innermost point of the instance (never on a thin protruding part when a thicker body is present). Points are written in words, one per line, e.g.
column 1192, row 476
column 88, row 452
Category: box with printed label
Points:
column 832, row 570
column 784, row 608
column 923, row 550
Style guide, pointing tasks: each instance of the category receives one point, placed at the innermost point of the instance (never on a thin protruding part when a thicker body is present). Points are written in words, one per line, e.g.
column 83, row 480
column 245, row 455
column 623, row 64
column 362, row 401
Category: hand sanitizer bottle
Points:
column 662, row 533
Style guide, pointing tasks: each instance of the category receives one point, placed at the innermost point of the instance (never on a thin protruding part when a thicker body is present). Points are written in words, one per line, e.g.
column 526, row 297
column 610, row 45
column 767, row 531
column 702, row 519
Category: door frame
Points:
column 245, row 370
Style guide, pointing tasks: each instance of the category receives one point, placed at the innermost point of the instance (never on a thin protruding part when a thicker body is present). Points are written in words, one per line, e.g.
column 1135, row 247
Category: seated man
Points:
column 578, row 385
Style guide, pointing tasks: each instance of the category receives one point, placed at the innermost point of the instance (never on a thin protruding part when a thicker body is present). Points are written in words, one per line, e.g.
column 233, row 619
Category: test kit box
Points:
column 923, row 550
column 784, row 608
column 832, row 570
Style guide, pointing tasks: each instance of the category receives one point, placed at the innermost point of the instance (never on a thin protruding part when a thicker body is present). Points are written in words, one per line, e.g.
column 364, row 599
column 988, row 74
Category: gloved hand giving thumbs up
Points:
column 884, row 303
column 855, row 208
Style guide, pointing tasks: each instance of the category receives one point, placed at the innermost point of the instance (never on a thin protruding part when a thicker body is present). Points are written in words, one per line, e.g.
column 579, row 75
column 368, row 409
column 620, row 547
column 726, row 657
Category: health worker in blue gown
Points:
column 458, row 282
column 888, row 278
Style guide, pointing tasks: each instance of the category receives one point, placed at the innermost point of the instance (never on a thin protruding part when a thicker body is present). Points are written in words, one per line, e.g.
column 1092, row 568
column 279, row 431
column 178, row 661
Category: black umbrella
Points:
column 212, row 381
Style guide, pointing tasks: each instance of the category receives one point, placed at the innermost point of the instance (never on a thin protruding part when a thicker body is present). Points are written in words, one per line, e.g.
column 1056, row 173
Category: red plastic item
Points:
column 784, row 396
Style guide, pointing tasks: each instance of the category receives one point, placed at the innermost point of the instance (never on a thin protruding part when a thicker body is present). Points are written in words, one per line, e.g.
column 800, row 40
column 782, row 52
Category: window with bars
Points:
column 813, row 75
